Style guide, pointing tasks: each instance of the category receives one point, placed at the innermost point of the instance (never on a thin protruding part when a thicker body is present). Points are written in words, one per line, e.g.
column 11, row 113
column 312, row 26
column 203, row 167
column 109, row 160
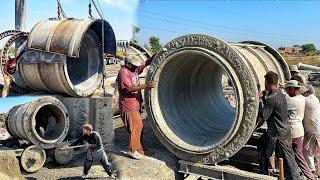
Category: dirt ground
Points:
column 9, row 166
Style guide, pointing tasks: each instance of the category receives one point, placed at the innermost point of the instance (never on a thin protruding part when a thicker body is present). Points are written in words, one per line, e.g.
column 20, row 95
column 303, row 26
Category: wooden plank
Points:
column 220, row 172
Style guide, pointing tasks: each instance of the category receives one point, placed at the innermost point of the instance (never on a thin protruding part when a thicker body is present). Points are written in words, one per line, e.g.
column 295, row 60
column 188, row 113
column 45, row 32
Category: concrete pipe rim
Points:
column 48, row 102
column 243, row 128
column 38, row 163
column 232, row 127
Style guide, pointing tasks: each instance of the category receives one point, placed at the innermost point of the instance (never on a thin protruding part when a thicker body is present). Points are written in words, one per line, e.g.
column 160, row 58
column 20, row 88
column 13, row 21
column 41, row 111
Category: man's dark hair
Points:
column 272, row 77
column 297, row 78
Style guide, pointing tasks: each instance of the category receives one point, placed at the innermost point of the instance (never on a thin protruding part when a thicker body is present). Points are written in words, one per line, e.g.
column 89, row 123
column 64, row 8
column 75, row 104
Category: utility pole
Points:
column 20, row 17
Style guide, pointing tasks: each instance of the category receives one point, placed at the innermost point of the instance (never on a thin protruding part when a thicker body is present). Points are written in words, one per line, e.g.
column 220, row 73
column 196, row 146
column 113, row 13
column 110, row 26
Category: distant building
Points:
column 289, row 50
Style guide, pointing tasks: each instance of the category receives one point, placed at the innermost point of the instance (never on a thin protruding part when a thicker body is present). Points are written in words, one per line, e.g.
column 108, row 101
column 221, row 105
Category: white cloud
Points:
column 126, row 5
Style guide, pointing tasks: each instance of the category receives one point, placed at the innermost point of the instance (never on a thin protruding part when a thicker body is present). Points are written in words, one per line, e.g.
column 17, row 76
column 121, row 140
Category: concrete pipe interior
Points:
column 84, row 71
column 49, row 122
column 192, row 101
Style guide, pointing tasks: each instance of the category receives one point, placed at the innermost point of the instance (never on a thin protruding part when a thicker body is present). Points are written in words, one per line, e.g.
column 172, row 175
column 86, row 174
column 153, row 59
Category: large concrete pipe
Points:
column 44, row 122
column 187, row 109
column 64, row 56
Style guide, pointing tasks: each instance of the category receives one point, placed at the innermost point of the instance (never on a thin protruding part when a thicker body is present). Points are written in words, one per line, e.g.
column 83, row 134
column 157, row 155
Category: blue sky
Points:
column 274, row 22
column 7, row 103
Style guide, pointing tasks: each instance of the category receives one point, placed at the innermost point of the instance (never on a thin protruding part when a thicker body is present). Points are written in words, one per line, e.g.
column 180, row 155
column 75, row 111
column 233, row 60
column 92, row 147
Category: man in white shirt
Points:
column 311, row 122
column 296, row 107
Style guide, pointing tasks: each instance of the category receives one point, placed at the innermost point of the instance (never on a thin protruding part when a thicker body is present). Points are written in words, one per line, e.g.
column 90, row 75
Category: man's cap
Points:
column 292, row 83
column 303, row 89
column 133, row 59
column 87, row 126
column 293, row 68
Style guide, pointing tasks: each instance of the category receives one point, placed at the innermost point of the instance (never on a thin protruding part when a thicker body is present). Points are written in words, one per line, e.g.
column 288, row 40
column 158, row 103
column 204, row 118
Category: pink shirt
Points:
column 129, row 101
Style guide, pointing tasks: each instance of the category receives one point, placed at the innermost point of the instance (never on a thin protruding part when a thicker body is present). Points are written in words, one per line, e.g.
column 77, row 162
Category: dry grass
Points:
column 311, row 60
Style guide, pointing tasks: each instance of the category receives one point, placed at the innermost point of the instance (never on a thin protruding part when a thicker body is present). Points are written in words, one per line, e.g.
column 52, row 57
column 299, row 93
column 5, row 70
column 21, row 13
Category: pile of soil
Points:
column 9, row 166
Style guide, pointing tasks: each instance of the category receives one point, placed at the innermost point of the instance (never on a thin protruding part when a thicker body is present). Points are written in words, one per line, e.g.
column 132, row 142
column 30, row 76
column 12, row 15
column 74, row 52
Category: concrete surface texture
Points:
column 188, row 110
column 96, row 111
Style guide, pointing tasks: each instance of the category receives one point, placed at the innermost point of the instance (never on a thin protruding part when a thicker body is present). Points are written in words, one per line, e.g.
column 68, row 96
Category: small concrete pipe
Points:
column 188, row 110
column 44, row 122
column 65, row 56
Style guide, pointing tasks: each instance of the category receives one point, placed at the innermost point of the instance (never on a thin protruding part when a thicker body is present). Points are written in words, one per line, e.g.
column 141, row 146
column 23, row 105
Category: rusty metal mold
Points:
column 187, row 109
column 64, row 56
column 66, row 36
column 44, row 122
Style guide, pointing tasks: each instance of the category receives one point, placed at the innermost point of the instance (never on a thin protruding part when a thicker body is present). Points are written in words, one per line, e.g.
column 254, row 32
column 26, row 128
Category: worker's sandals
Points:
column 135, row 155
column 112, row 174
column 273, row 172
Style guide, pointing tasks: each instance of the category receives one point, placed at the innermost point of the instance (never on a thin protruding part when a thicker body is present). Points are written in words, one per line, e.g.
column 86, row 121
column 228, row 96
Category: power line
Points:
column 182, row 33
column 157, row 29
column 215, row 30
column 219, row 26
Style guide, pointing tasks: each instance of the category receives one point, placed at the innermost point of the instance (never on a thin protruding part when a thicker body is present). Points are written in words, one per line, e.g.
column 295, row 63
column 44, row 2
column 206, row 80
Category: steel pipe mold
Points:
column 187, row 109
column 302, row 66
column 44, row 122
column 65, row 56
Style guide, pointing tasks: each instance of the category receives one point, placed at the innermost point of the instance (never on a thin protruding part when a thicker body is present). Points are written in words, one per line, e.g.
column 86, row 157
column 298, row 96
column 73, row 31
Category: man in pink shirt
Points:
column 130, row 100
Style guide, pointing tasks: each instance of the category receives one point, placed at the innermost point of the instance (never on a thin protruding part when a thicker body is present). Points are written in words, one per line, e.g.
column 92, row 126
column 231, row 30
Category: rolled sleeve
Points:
column 141, row 68
column 124, row 80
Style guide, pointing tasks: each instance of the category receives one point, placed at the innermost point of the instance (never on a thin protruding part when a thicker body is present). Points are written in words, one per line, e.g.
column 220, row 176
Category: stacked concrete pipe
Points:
column 65, row 56
column 44, row 122
column 187, row 109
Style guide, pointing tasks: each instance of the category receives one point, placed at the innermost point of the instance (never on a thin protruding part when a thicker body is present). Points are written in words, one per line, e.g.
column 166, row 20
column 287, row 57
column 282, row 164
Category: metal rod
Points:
column 281, row 169
column 71, row 147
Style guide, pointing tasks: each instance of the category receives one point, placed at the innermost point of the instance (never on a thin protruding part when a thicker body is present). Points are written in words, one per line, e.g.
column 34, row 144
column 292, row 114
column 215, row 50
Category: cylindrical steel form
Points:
column 65, row 56
column 188, row 110
column 302, row 66
column 44, row 122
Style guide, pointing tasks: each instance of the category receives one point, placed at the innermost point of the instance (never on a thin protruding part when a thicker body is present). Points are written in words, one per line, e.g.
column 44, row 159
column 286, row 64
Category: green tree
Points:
column 155, row 44
column 306, row 48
